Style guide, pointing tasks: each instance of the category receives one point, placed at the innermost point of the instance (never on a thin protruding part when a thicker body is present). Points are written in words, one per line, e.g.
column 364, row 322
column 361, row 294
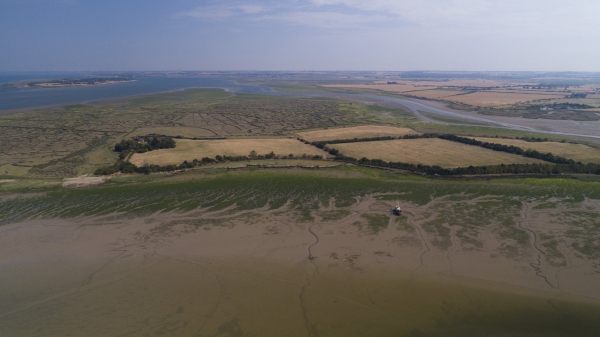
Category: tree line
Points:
column 479, row 170
column 148, row 144
column 127, row 167
column 534, row 139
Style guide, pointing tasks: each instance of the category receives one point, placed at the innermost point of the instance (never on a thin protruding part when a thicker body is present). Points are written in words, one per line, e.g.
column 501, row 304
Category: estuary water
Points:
column 18, row 98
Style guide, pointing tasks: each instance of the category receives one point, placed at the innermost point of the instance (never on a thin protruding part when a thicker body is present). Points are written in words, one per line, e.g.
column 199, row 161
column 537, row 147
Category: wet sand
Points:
column 191, row 296
column 260, row 274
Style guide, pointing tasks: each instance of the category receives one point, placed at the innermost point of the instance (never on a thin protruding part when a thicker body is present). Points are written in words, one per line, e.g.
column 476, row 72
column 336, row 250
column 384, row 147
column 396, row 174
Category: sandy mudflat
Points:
column 260, row 272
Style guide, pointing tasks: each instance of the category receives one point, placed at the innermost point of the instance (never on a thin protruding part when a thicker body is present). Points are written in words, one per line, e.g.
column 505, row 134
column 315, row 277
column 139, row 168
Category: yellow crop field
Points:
column 489, row 99
column 197, row 149
column 365, row 131
column 577, row 152
column 430, row 151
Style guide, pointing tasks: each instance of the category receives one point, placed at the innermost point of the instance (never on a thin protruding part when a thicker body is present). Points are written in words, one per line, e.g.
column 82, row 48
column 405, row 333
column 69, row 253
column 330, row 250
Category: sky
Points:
column 452, row 35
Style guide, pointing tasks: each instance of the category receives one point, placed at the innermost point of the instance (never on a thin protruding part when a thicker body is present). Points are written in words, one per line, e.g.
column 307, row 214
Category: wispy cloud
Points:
column 415, row 10
column 523, row 17
column 561, row 16
column 325, row 19
column 295, row 13
column 252, row 9
column 221, row 11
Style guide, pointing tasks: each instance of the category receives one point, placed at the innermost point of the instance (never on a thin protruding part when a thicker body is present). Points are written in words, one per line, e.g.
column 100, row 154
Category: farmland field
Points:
column 197, row 149
column 364, row 131
column 577, row 152
column 430, row 151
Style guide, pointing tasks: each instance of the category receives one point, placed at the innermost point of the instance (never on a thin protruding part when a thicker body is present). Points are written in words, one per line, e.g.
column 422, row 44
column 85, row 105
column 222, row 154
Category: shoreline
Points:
column 224, row 88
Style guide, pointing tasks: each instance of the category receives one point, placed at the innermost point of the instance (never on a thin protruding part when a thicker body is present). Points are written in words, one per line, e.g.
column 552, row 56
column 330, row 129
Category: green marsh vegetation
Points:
column 376, row 222
column 333, row 215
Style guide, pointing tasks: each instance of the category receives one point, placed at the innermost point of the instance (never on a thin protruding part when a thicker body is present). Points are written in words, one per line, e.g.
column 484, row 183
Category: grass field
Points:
column 365, row 131
column 430, row 151
column 197, row 149
column 577, row 152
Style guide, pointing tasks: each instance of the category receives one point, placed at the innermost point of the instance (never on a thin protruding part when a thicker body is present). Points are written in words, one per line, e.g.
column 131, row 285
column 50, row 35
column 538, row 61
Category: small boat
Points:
column 397, row 210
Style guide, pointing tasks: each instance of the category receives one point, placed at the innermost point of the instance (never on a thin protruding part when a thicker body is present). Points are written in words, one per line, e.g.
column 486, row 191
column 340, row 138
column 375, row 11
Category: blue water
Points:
column 17, row 98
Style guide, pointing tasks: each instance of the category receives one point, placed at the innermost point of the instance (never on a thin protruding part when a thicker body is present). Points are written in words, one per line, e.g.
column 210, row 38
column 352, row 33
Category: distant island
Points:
column 72, row 82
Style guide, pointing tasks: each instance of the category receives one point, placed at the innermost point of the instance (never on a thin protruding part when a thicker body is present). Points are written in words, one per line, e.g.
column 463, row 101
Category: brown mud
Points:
column 263, row 273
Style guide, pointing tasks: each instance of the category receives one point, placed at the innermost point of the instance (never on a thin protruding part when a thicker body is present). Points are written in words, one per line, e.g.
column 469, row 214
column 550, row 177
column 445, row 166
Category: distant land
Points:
column 71, row 82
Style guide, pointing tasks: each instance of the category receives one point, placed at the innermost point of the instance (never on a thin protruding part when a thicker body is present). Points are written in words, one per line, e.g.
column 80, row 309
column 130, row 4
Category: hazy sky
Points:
column 58, row 35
